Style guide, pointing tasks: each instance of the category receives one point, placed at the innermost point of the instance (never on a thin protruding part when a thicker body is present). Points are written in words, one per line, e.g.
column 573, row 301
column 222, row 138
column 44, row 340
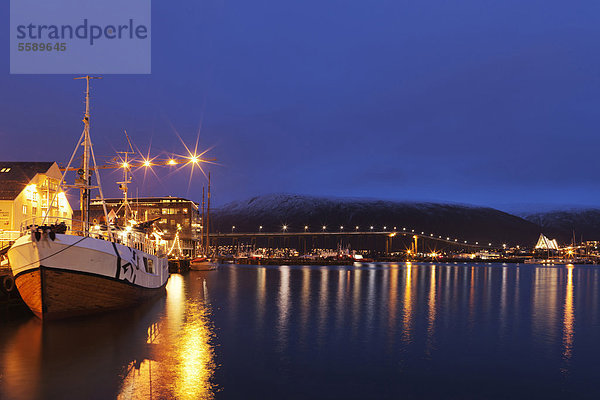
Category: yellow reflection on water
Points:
column 569, row 316
column 179, row 362
column 432, row 312
column 356, row 300
column 407, row 304
column 195, row 365
column 175, row 301
column 393, row 290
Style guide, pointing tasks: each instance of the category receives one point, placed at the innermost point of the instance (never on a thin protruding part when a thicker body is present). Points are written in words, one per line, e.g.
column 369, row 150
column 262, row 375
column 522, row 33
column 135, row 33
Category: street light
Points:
column 384, row 228
column 285, row 228
column 356, row 228
column 342, row 228
column 260, row 228
column 305, row 228
column 371, row 227
column 232, row 228
column 324, row 227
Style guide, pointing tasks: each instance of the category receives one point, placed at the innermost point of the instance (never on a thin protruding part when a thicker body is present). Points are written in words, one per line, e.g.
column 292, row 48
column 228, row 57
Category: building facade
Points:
column 26, row 191
column 179, row 220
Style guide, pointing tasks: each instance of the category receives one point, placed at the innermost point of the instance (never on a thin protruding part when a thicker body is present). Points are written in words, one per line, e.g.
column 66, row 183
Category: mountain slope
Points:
column 562, row 223
column 461, row 221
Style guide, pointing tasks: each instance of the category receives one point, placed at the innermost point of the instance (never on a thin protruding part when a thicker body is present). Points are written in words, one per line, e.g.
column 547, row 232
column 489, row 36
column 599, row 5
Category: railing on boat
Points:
column 126, row 236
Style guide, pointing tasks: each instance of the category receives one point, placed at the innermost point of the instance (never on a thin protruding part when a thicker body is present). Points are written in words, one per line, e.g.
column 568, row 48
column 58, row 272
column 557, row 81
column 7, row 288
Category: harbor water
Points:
column 410, row 331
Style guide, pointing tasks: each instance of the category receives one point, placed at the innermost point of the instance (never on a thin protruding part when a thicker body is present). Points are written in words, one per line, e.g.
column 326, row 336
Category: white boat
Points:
column 66, row 268
column 202, row 264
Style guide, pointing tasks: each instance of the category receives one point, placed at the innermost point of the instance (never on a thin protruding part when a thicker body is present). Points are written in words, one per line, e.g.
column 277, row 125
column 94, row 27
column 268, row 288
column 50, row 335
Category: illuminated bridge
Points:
column 370, row 238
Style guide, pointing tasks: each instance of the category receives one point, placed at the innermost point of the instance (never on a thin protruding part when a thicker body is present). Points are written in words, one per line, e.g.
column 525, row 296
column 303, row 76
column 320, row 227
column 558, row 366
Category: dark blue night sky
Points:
column 484, row 102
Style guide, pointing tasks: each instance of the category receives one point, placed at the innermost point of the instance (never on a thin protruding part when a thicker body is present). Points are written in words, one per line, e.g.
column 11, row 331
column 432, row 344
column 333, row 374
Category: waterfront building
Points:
column 26, row 190
column 180, row 220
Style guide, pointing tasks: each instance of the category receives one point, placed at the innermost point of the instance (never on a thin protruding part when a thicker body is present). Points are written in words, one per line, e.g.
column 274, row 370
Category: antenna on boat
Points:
column 123, row 185
column 207, row 244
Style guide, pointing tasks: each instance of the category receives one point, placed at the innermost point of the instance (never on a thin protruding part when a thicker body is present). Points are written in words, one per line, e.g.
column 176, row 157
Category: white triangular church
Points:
column 546, row 244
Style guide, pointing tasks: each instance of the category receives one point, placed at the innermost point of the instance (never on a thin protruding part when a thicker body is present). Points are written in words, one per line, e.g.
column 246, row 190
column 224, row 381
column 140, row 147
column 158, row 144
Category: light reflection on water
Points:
column 378, row 330
column 569, row 317
column 160, row 350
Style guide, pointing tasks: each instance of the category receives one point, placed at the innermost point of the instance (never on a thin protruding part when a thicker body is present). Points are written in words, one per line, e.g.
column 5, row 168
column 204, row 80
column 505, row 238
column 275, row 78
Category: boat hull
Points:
column 55, row 294
column 202, row 266
column 72, row 276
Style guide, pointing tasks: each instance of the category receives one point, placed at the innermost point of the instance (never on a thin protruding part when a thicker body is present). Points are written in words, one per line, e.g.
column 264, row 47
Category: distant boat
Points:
column 202, row 264
column 70, row 267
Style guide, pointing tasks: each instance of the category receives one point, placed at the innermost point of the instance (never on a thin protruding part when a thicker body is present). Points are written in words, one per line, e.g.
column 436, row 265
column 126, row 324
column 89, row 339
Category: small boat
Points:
column 202, row 264
column 71, row 267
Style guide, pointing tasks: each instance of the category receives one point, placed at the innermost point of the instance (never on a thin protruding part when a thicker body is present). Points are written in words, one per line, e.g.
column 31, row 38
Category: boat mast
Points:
column 85, row 175
column 203, row 224
column 207, row 244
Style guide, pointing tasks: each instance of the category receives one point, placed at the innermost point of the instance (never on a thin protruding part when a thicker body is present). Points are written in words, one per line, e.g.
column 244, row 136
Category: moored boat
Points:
column 202, row 264
column 71, row 267
column 63, row 275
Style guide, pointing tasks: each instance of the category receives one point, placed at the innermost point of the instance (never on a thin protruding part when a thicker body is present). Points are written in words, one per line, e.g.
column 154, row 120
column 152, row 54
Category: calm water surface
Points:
column 378, row 331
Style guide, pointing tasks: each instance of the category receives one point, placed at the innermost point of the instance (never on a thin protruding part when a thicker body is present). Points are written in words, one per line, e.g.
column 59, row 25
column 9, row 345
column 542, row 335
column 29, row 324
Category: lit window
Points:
column 34, row 210
column 185, row 210
column 4, row 169
column 24, row 209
